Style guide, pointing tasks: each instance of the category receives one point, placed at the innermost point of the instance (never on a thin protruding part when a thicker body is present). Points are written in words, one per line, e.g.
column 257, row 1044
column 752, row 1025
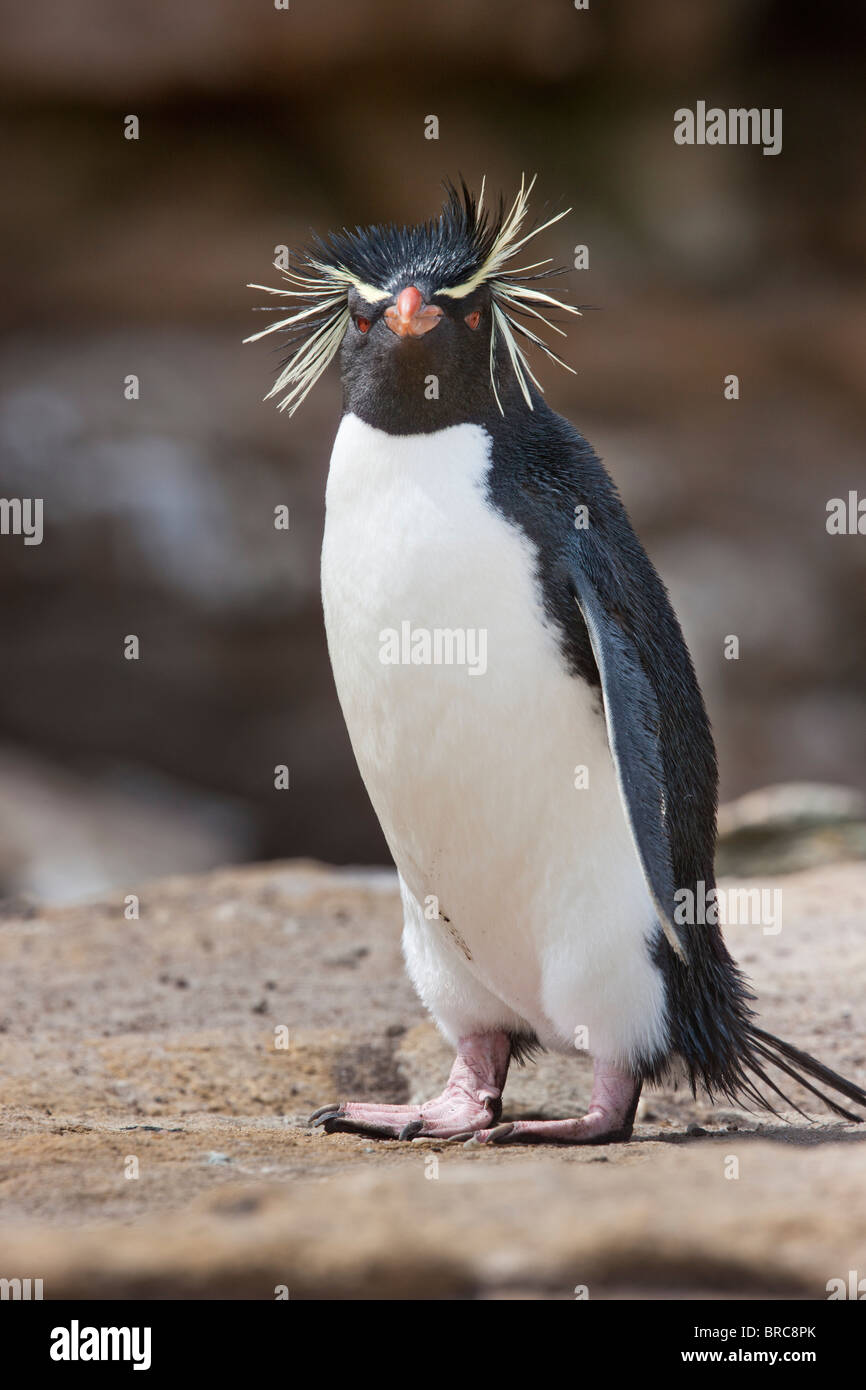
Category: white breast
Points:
column 472, row 774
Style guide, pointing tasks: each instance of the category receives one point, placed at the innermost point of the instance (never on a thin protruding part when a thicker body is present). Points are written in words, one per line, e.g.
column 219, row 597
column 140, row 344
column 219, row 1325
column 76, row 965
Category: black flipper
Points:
column 633, row 721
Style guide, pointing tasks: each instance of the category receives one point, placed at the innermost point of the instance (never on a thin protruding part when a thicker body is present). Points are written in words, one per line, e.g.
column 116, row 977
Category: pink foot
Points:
column 608, row 1120
column 471, row 1100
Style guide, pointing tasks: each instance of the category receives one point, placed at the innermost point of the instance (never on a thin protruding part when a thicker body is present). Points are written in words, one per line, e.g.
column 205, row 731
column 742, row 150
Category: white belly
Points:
column 472, row 773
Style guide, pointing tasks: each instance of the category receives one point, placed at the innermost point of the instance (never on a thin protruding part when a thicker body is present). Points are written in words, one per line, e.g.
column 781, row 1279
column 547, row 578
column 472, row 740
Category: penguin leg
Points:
column 470, row 1102
column 609, row 1119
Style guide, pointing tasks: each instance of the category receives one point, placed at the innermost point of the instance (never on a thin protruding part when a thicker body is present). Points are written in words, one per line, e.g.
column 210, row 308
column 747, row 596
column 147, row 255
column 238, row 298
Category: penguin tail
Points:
column 764, row 1049
column 726, row 1054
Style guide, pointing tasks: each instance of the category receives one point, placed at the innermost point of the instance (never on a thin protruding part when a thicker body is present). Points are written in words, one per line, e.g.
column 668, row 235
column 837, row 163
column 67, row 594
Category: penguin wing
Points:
column 633, row 717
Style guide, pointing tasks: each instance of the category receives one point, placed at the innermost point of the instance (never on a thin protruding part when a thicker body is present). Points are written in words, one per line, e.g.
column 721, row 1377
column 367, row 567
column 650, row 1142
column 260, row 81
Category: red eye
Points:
column 474, row 318
column 363, row 325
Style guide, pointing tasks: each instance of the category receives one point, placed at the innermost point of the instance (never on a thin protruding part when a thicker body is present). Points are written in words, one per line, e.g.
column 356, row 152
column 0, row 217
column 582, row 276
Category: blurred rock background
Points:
column 257, row 124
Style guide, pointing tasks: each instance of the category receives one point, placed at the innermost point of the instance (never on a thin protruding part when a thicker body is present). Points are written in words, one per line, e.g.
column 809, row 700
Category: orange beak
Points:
column 410, row 317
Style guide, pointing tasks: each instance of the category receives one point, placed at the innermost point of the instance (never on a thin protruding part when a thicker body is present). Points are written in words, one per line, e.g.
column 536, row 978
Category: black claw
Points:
column 411, row 1129
column 321, row 1114
column 339, row 1124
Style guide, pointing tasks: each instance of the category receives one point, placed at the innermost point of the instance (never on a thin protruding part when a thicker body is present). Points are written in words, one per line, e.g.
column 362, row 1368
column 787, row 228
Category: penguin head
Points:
column 426, row 318
column 418, row 356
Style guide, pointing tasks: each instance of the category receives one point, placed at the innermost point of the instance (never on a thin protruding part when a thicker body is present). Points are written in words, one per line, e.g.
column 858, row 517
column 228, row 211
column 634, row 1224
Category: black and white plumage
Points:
column 452, row 510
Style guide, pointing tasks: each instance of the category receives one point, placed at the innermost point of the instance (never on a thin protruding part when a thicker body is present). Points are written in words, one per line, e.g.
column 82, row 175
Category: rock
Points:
column 793, row 826
column 481, row 1229
column 65, row 836
column 100, row 1063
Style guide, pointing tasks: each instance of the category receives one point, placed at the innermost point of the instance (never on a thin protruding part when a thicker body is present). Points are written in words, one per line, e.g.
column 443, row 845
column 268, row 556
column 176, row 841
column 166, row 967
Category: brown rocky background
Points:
column 256, row 125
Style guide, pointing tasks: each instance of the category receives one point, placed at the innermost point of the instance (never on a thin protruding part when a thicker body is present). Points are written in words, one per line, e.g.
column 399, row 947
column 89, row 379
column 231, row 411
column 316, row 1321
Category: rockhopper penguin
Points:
column 494, row 624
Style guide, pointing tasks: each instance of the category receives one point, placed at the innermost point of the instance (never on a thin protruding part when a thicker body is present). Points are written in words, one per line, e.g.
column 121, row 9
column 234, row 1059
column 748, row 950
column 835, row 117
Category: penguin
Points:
column 520, row 700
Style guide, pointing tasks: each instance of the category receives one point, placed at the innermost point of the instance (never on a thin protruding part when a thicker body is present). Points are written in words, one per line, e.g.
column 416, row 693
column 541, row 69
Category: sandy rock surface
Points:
column 148, row 1047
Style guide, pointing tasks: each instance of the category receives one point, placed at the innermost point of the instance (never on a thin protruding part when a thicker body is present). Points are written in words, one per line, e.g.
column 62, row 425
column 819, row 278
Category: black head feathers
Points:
column 465, row 247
